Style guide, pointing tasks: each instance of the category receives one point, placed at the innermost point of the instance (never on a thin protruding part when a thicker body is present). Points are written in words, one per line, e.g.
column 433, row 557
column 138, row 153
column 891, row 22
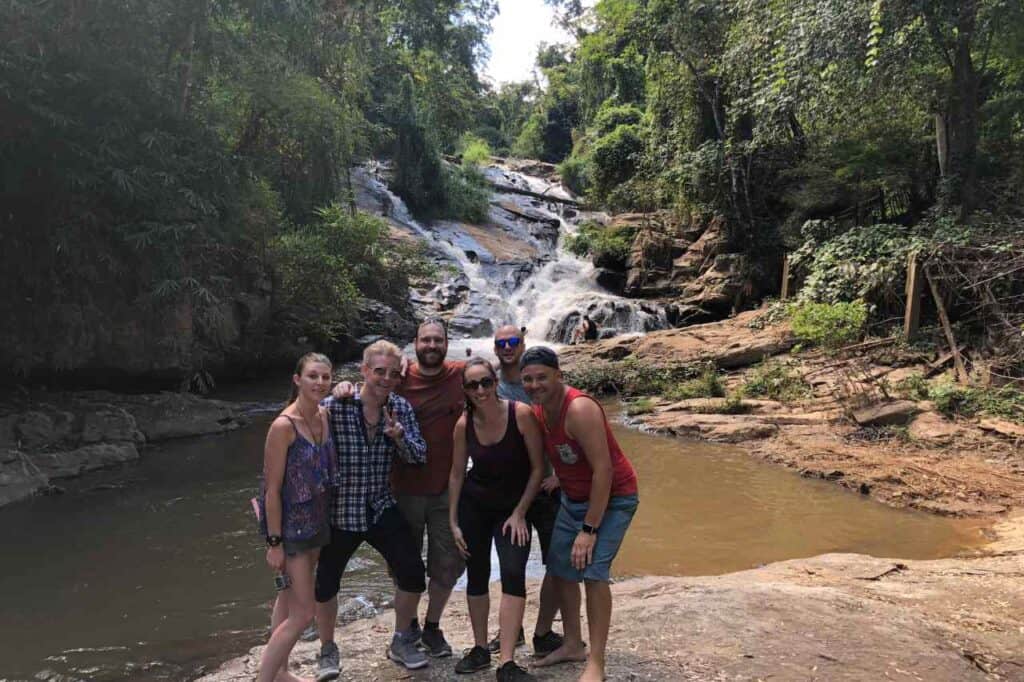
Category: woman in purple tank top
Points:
column 503, row 438
column 298, row 465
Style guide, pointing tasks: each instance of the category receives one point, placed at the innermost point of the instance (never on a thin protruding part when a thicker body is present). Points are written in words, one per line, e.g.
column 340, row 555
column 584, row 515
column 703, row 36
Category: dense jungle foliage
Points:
column 164, row 155
column 851, row 132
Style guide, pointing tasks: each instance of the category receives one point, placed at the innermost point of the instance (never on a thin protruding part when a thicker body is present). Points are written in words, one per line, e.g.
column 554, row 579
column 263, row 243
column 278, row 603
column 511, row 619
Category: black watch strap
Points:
column 273, row 540
column 589, row 530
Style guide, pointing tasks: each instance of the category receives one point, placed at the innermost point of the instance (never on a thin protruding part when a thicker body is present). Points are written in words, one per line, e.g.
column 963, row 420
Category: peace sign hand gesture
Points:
column 392, row 427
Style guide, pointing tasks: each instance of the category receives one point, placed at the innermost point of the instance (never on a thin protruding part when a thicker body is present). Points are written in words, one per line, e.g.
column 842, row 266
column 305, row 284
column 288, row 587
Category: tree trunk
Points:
column 942, row 145
column 962, row 111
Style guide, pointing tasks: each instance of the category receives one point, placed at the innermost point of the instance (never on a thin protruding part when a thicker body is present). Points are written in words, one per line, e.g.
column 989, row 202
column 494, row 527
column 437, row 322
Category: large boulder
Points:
column 721, row 288
column 163, row 416
column 75, row 462
column 649, row 264
column 110, row 423
column 896, row 413
column 18, row 478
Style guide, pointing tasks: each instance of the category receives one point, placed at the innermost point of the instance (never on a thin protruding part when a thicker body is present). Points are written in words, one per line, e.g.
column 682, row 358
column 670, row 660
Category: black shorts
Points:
column 541, row 515
column 391, row 537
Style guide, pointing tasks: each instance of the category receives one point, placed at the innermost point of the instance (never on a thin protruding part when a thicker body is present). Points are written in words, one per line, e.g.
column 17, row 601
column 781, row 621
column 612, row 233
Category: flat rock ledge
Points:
column 78, row 432
column 831, row 617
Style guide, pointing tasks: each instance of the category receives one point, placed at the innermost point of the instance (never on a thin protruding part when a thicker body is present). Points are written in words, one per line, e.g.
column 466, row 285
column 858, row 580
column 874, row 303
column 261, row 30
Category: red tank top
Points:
column 571, row 466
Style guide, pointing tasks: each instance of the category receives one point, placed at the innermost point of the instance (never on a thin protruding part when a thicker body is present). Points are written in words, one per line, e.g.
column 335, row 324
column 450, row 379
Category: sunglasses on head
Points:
column 486, row 383
column 510, row 342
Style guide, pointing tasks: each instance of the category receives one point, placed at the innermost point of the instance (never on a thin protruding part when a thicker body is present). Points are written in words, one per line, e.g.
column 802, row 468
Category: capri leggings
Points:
column 480, row 524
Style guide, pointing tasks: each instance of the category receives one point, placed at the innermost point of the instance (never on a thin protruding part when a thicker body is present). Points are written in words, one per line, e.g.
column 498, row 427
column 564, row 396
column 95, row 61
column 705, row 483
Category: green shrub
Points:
column 466, row 194
column 707, row 384
column 629, row 377
column 609, row 117
column 615, row 158
column 323, row 268
column 954, row 400
column 831, row 325
column 475, row 150
column 603, row 243
column 775, row 381
column 638, row 407
column 575, row 174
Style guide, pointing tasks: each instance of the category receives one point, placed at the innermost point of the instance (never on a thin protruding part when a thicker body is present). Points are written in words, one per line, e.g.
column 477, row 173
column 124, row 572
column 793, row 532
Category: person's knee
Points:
column 514, row 585
column 409, row 574
column 302, row 613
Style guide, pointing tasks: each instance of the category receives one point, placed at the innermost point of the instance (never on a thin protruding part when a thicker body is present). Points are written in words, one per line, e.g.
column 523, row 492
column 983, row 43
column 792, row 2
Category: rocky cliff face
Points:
column 685, row 263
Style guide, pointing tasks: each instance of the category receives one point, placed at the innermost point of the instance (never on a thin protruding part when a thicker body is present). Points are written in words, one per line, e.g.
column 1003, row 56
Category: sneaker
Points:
column 494, row 646
column 328, row 664
column 432, row 641
column 478, row 658
column 415, row 632
column 545, row 644
column 403, row 650
column 310, row 634
column 510, row 672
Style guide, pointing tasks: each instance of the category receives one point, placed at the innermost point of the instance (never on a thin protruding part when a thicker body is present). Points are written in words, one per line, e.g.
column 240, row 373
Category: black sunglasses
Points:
column 486, row 383
column 510, row 342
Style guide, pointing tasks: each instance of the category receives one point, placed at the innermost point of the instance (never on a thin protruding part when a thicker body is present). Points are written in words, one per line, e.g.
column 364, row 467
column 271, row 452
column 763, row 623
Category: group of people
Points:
column 386, row 461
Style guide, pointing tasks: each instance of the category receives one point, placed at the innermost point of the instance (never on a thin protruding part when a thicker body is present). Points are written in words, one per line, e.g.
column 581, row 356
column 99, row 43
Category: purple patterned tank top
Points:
column 308, row 474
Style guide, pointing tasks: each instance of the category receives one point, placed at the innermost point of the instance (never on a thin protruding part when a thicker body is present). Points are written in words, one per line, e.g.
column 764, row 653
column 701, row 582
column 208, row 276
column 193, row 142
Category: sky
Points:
column 521, row 25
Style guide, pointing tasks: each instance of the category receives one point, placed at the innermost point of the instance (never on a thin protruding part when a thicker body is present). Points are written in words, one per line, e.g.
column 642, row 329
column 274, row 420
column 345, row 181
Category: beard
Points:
column 430, row 359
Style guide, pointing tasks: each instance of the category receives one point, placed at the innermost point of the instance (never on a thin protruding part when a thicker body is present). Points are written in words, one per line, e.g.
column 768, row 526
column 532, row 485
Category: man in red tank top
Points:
column 599, row 498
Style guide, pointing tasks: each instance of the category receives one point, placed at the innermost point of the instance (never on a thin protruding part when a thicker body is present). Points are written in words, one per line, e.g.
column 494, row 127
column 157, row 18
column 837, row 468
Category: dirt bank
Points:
column 849, row 422
column 832, row 617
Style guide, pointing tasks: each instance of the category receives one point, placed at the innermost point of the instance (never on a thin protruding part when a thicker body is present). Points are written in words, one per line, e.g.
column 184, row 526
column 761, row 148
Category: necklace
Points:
column 309, row 424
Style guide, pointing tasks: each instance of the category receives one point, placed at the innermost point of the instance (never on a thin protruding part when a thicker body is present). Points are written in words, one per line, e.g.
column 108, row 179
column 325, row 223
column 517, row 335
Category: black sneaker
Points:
column 510, row 672
column 494, row 646
column 432, row 641
column 545, row 644
column 478, row 658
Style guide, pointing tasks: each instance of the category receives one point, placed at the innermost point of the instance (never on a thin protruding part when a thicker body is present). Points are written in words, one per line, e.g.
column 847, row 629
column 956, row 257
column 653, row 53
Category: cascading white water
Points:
column 557, row 289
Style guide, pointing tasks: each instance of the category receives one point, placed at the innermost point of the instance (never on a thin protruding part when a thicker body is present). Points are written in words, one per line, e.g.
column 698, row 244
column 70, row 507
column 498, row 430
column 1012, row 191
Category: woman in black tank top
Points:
column 489, row 504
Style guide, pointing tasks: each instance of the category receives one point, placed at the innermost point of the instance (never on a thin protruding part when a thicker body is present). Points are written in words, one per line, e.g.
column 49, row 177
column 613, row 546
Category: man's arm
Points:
column 411, row 448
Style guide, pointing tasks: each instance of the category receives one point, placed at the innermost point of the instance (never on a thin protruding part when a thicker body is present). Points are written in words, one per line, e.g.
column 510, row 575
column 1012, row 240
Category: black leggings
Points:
column 479, row 524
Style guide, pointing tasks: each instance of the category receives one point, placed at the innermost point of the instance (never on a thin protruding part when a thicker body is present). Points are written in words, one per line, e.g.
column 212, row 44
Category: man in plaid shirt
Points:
column 370, row 430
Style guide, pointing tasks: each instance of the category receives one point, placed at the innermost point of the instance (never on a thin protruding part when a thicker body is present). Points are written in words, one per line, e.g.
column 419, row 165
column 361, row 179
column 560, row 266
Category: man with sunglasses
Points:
column 509, row 344
column 371, row 428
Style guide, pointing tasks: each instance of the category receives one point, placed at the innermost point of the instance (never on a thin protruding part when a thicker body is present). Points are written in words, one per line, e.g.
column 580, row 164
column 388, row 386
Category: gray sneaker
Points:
column 328, row 664
column 403, row 650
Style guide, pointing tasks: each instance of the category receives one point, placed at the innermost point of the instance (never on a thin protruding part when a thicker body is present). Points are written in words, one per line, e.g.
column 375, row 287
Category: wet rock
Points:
column 470, row 326
column 896, row 413
column 684, row 315
column 612, row 280
column 18, row 479
column 109, row 423
column 80, row 460
column 37, row 429
column 649, row 264
column 8, row 438
column 175, row 415
column 376, row 318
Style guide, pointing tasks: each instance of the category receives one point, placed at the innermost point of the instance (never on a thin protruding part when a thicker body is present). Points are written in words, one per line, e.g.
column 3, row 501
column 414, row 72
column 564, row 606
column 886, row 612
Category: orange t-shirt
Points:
column 438, row 402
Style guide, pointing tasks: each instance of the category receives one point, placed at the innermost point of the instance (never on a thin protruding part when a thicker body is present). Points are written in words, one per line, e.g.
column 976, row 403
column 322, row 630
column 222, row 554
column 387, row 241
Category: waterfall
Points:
column 513, row 269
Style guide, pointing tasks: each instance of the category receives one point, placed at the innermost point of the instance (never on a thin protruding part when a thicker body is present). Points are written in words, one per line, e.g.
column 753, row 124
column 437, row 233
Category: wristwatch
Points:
column 273, row 540
column 589, row 530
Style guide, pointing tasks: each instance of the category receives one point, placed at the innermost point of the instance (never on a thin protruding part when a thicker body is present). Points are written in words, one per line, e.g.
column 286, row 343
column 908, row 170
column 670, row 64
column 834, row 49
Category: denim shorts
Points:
column 617, row 518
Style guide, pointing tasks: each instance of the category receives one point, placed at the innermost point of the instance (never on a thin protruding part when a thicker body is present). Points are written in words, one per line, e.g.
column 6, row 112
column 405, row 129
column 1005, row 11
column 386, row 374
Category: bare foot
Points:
column 592, row 673
column 564, row 654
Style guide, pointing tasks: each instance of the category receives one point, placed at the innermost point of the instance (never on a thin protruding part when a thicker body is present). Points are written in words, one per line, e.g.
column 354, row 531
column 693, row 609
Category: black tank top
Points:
column 500, row 471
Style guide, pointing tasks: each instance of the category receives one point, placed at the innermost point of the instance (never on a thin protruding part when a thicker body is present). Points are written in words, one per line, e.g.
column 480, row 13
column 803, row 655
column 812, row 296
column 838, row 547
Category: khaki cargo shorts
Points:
column 430, row 513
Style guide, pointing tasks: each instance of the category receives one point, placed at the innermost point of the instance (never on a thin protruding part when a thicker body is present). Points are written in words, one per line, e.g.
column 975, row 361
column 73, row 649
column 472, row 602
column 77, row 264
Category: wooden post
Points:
column 912, row 313
column 784, row 291
column 947, row 328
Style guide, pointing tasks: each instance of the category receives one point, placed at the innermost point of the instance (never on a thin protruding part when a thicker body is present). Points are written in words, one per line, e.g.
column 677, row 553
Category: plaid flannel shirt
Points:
column 363, row 489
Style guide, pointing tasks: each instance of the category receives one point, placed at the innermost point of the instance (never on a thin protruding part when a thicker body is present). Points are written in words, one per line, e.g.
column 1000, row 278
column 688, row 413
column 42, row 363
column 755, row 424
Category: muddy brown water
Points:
column 154, row 570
